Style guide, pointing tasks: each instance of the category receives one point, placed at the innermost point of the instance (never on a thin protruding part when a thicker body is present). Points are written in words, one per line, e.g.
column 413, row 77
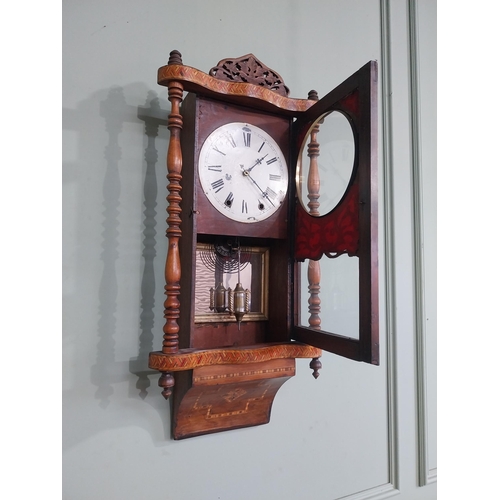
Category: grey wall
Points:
column 328, row 438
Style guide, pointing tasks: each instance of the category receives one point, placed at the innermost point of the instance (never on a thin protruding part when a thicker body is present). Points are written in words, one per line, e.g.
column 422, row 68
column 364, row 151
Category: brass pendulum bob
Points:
column 239, row 303
column 239, row 298
column 218, row 298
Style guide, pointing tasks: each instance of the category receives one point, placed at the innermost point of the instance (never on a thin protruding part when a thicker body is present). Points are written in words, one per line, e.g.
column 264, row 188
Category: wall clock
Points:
column 272, row 231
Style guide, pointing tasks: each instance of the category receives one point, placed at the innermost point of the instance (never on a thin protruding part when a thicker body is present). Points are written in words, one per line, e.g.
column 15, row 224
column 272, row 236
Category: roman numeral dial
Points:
column 243, row 172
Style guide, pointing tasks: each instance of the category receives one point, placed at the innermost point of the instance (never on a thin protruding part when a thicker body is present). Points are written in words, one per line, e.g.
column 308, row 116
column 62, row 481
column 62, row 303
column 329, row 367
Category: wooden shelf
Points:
column 189, row 359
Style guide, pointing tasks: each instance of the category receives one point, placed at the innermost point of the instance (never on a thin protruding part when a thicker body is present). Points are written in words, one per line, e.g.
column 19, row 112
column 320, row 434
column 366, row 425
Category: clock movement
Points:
column 272, row 237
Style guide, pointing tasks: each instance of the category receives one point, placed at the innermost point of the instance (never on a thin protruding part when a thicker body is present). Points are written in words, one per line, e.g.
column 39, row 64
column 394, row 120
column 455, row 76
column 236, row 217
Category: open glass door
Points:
column 336, row 221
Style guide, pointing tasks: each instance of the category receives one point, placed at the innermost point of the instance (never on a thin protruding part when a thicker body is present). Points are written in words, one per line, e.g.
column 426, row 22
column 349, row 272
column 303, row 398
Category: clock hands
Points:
column 258, row 162
column 247, row 174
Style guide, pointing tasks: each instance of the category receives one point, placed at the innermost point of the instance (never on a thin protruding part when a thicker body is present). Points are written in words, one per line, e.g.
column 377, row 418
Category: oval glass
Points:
column 325, row 163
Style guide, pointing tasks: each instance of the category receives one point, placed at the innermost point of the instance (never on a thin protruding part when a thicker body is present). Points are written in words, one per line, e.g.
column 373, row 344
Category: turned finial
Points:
column 312, row 95
column 167, row 382
column 175, row 57
column 315, row 366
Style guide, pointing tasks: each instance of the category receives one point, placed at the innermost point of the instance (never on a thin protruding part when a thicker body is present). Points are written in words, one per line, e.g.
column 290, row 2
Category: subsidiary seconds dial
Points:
column 243, row 172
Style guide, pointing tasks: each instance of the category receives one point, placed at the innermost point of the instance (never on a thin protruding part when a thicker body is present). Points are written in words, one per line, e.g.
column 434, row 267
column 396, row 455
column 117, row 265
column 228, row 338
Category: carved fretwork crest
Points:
column 248, row 69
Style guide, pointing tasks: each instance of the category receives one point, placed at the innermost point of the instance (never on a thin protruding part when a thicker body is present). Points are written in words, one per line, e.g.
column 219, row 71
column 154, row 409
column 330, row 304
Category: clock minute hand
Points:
column 258, row 162
column 246, row 174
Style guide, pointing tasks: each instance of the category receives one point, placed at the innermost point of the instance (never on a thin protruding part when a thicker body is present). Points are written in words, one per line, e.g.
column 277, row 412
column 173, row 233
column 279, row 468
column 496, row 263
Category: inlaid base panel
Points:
column 218, row 398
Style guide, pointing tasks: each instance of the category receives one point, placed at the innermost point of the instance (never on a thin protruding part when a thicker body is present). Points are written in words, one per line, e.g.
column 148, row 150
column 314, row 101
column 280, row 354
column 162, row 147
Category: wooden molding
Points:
column 394, row 466
column 189, row 359
column 426, row 474
column 256, row 96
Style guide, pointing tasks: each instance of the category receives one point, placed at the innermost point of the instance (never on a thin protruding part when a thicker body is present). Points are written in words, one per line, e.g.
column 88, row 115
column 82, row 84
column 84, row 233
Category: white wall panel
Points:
column 351, row 433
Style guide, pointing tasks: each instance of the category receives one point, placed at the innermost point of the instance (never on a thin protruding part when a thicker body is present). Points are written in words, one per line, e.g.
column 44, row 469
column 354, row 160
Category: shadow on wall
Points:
column 110, row 107
column 153, row 117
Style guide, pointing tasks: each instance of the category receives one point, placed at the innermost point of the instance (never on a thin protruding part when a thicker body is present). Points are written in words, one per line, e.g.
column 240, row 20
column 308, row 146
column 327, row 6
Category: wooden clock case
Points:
column 225, row 375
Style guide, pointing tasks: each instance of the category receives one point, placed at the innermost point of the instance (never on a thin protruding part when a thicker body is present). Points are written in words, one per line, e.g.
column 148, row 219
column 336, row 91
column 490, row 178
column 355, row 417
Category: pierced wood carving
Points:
column 248, row 69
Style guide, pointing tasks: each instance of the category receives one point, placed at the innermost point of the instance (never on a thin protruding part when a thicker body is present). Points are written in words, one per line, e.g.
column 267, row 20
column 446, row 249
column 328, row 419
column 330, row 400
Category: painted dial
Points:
column 243, row 172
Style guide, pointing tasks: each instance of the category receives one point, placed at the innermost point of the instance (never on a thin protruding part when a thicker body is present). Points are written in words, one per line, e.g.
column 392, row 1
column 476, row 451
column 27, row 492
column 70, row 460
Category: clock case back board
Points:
column 227, row 376
column 202, row 223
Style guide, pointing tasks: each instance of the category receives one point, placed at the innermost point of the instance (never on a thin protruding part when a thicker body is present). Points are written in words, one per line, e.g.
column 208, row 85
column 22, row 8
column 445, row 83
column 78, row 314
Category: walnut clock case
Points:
column 250, row 224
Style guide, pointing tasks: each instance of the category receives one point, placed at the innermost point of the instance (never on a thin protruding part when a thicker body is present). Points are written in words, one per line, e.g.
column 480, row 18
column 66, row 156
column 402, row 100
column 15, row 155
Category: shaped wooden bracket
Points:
column 227, row 388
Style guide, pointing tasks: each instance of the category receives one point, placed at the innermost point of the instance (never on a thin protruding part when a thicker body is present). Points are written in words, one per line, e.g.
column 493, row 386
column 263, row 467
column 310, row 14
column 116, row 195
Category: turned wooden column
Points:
column 174, row 170
column 173, row 263
column 314, row 267
column 313, row 180
column 313, row 193
column 314, row 279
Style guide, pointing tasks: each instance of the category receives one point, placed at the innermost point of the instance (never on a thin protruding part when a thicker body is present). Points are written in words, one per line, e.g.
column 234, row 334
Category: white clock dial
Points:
column 243, row 172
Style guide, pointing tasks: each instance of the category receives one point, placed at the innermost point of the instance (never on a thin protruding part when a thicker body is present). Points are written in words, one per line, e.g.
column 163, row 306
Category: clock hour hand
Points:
column 264, row 194
column 258, row 162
